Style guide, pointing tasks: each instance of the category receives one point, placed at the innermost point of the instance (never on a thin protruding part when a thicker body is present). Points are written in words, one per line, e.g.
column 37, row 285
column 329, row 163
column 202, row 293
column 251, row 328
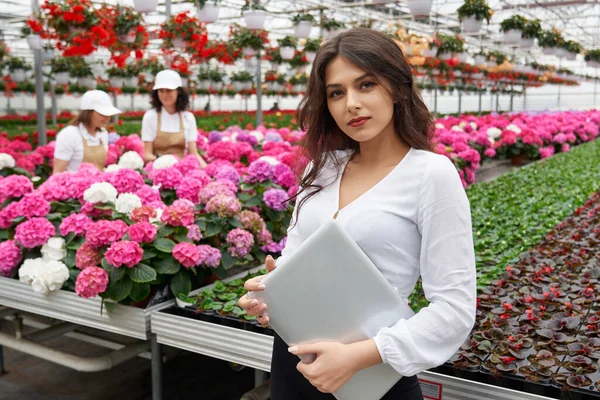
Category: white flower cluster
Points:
column 127, row 202
column 493, row 134
column 270, row 160
column 514, row 128
column 43, row 276
column 100, row 192
column 258, row 135
column 54, row 249
column 166, row 161
column 6, row 161
column 132, row 160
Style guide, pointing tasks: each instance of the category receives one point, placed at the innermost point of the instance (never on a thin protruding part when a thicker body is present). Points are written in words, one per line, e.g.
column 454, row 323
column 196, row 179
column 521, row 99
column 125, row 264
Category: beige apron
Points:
column 169, row 142
column 94, row 154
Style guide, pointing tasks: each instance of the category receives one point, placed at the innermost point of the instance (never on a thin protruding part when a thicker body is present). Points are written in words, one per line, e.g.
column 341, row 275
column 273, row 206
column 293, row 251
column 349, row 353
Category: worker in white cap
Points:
column 168, row 128
column 85, row 140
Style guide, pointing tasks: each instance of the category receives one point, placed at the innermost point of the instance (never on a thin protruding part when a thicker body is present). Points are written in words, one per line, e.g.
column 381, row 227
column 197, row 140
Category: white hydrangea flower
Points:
column 132, row 160
column 462, row 124
column 494, row 133
column 159, row 213
column 233, row 137
column 473, row 125
column 456, row 128
column 258, row 135
column 35, row 179
column 100, row 192
column 127, row 202
column 6, row 161
column 225, row 139
column 270, row 160
column 54, row 249
column 440, row 126
column 44, row 276
column 166, row 161
column 514, row 128
column 112, row 168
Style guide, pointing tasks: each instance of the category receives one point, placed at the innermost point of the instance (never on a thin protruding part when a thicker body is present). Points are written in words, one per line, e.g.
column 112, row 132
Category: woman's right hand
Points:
column 252, row 305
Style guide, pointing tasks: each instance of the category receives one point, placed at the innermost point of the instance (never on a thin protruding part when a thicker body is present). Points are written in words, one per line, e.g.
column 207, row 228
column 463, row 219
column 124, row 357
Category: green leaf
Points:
column 115, row 274
column 201, row 224
column 69, row 259
column 181, row 237
column 165, row 231
column 253, row 202
column 69, row 238
column 227, row 260
column 142, row 273
column 220, row 271
column 55, row 217
column 105, row 264
column 119, row 290
column 148, row 255
column 3, row 234
column 139, row 291
column 167, row 266
column 212, row 229
column 164, row 245
column 75, row 243
column 181, row 283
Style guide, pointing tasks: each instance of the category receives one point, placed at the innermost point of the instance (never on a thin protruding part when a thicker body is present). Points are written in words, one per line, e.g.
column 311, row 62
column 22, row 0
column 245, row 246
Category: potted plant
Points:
column 271, row 80
column 592, row 58
column 254, row 14
column 208, row 11
column 419, row 9
column 145, row 6
column 116, row 76
column 32, row 32
column 61, row 69
column 572, row 48
column 472, row 14
column 204, row 75
column 303, row 24
column 241, row 81
column 150, row 67
column 332, row 27
column 299, row 83
column 496, row 58
column 550, row 40
column 287, row 47
column 531, row 31
column 513, row 28
column 311, row 47
column 448, row 45
column 83, row 72
column 17, row 68
column 249, row 41
column 181, row 30
column 126, row 21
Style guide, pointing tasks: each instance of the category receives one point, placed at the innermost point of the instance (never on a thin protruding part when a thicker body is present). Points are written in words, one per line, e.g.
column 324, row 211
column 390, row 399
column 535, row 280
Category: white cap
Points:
column 98, row 101
column 167, row 79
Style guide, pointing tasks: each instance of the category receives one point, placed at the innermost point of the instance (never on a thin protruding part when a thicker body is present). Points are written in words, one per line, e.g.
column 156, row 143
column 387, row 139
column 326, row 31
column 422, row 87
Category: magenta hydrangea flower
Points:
column 251, row 221
column 148, row 195
column 194, row 233
column 209, row 256
column 284, row 176
column 222, row 151
column 264, row 237
column 188, row 164
column 276, row 199
column 200, row 175
column 187, row 254
column 124, row 252
column 87, row 256
column 125, row 180
column 230, row 174
column 15, row 186
column 212, row 189
column 10, row 257
column 272, row 247
column 91, row 282
column 33, row 205
column 77, row 223
column 228, row 184
column 189, row 189
column 489, row 152
column 240, row 243
column 259, row 171
column 177, row 216
column 142, row 232
column 184, row 203
column 168, row 178
column 34, row 232
column 223, row 205
column 104, row 232
column 214, row 167
column 7, row 214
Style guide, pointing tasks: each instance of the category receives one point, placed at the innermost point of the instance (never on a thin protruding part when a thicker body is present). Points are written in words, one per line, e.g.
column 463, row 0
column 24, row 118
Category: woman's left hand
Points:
column 335, row 364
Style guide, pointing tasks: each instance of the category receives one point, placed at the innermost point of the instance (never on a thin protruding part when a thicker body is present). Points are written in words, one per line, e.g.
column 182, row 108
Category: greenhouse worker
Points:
column 168, row 128
column 85, row 140
column 369, row 136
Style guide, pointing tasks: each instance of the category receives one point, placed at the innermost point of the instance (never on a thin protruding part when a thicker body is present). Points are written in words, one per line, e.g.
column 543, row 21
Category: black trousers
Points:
column 289, row 384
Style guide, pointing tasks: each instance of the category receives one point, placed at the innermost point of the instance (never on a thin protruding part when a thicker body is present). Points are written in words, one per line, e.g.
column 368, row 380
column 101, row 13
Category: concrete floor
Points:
column 185, row 376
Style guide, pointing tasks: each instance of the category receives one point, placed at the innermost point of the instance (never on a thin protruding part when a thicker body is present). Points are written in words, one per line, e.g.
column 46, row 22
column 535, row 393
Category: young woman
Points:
column 368, row 134
column 85, row 140
column 168, row 128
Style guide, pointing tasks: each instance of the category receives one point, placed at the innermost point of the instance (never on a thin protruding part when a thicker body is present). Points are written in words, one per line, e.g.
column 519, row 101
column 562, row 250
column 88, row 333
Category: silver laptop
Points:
column 329, row 290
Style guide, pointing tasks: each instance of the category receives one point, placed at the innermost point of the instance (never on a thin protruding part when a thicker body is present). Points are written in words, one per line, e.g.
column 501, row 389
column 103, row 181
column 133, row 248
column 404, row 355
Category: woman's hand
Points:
column 253, row 306
column 333, row 366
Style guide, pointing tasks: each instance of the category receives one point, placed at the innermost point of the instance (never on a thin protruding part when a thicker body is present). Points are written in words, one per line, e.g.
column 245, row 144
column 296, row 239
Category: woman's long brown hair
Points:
column 379, row 55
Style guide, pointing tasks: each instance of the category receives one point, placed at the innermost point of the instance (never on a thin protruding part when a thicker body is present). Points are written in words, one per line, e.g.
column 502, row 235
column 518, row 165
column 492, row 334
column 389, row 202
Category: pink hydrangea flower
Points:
column 168, row 178
column 177, row 216
column 143, row 214
column 125, row 180
column 148, row 195
column 489, row 152
column 34, row 232
column 104, row 232
column 91, row 211
column 276, row 199
column 259, row 171
column 264, row 237
column 240, row 243
column 212, row 189
column 293, row 191
column 10, row 257
column 77, row 223
column 188, row 164
column 187, row 254
column 189, row 189
column 15, row 186
column 251, row 221
column 124, row 252
column 214, row 167
column 91, row 282
column 223, row 205
column 230, row 174
column 7, row 214
column 142, row 232
column 194, row 233
column 284, row 176
column 184, row 203
column 33, row 205
column 209, row 256
column 233, row 188
column 222, row 151
column 87, row 256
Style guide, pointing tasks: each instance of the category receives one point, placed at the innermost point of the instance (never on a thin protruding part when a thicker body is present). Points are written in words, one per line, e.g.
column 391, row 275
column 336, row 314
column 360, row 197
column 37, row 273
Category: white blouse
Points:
column 169, row 123
column 69, row 144
column 415, row 221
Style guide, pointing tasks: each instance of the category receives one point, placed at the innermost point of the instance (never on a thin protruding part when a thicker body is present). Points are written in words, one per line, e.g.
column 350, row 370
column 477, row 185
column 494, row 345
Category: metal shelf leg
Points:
column 157, row 386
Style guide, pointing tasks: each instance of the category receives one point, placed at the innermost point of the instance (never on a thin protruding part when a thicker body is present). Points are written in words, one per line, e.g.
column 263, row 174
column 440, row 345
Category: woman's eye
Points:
column 367, row 85
column 335, row 93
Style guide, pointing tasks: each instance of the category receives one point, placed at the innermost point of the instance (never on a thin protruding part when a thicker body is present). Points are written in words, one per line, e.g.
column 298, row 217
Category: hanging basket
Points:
column 87, row 82
column 479, row 60
column 131, row 81
column 48, row 54
column 62, row 78
column 145, row 6
column 204, row 84
column 129, row 37
column 462, row 57
column 512, row 36
column 148, row 76
column 471, row 24
column 255, row 19
column 571, row 56
column 419, row 8
column 18, row 75
column 35, row 42
column 445, row 56
column 116, row 82
column 549, row 51
column 560, row 52
column 179, row 43
column 249, row 51
column 525, row 43
column 330, row 34
column 286, row 52
column 302, row 29
column 310, row 56
column 209, row 13
column 429, row 52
